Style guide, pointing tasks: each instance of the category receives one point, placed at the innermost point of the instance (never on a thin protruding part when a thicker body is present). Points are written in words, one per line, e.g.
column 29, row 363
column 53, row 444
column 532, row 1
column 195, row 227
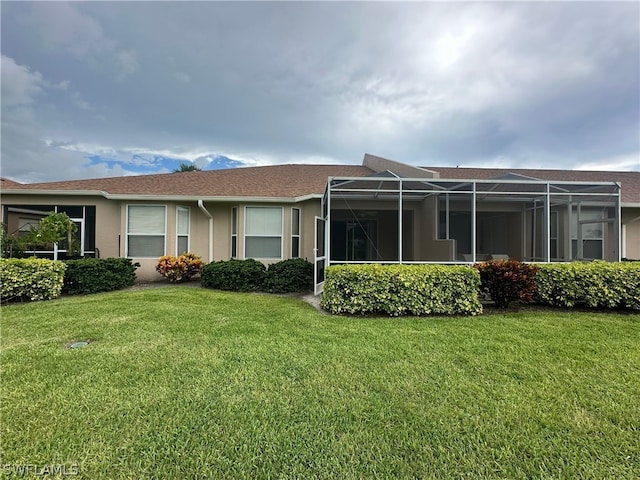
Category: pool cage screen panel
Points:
column 465, row 221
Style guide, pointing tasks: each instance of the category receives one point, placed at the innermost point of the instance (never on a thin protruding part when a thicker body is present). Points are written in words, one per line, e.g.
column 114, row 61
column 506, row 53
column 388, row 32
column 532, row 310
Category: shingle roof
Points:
column 271, row 181
column 6, row 183
column 630, row 181
column 284, row 181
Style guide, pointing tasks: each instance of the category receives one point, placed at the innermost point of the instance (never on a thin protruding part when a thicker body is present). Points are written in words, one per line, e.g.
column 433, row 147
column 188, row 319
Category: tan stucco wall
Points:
column 429, row 247
column 198, row 233
column 222, row 214
column 631, row 221
column 309, row 210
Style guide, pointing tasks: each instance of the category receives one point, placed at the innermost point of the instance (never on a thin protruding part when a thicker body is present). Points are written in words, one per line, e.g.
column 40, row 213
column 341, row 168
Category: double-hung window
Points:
column 263, row 232
column 182, row 230
column 295, row 232
column 146, row 231
column 234, row 232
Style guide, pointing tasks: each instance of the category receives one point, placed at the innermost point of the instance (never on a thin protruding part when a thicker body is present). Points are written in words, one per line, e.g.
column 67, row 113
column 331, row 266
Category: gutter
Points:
column 34, row 191
column 210, row 217
column 165, row 198
column 186, row 198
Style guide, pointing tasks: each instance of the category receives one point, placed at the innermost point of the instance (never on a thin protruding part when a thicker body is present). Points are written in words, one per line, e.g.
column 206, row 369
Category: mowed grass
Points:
column 192, row 383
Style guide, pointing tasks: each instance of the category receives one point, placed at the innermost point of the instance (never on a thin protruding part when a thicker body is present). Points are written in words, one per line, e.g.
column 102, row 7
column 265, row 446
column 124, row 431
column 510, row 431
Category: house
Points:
column 343, row 214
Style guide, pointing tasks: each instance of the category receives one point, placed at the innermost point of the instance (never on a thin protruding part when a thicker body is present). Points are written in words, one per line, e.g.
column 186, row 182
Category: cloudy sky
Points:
column 117, row 88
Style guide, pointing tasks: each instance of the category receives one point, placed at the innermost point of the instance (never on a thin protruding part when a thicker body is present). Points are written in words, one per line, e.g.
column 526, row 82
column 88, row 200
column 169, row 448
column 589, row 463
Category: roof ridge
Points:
column 530, row 169
column 264, row 181
column 192, row 172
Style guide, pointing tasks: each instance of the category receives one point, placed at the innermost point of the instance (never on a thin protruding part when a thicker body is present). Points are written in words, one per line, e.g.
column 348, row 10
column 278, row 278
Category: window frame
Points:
column 178, row 234
column 234, row 233
column 127, row 234
column 31, row 214
column 299, row 234
column 281, row 236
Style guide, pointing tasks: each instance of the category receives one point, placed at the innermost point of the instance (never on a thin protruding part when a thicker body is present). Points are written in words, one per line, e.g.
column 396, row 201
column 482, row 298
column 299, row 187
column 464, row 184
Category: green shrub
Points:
column 10, row 245
column 235, row 275
column 179, row 269
column 594, row 285
column 92, row 275
column 30, row 279
column 292, row 275
column 401, row 290
column 506, row 281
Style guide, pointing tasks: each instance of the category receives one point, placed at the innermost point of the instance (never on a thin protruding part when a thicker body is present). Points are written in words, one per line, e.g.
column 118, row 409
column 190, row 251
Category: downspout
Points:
column 210, row 217
column 618, row 224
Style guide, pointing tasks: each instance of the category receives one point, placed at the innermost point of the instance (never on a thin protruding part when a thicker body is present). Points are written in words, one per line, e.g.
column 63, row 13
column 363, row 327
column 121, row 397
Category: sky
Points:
column 97, row 89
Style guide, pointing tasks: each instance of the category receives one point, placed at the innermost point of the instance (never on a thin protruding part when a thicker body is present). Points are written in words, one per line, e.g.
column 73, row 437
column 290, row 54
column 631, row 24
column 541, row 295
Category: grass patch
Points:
column 192, row 383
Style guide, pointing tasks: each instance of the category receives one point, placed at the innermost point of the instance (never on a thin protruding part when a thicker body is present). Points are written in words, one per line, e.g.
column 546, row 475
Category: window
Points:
column 263, row 232
column 26, row 224
column 590, row 223
column 146, row 225
column 295, row 232
column 234, row 232
column 21, row 218
column 182, row 230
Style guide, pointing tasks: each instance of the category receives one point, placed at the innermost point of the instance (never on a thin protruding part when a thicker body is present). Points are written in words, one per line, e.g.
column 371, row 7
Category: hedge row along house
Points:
column 380, row 211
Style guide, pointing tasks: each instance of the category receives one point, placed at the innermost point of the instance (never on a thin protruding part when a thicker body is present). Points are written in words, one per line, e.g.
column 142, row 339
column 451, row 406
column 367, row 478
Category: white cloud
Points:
column 555, row 83
column 629, row 162
column 63, row 27
column 20, row 85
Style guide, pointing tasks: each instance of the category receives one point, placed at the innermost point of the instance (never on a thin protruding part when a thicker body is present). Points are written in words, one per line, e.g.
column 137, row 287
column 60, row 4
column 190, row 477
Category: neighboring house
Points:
column 343, row 213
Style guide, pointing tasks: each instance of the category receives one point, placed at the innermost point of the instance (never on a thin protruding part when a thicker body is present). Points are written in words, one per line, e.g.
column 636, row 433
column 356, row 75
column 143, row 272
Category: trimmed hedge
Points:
column 287, row 276
column 401, row 290
column 30, row 279
column 594, row 285
column 292, row 275
column 92, row 275
column 235, row 275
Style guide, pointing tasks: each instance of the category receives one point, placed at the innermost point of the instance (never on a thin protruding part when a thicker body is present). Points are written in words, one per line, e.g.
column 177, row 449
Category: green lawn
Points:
column 191, row 383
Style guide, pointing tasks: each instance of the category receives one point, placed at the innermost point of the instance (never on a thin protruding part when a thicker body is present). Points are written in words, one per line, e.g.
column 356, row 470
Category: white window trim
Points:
column 55, row 251
column 188, row 234
column 299, row 235
column 234, row 235
column 281, row 236
column 164, row 235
